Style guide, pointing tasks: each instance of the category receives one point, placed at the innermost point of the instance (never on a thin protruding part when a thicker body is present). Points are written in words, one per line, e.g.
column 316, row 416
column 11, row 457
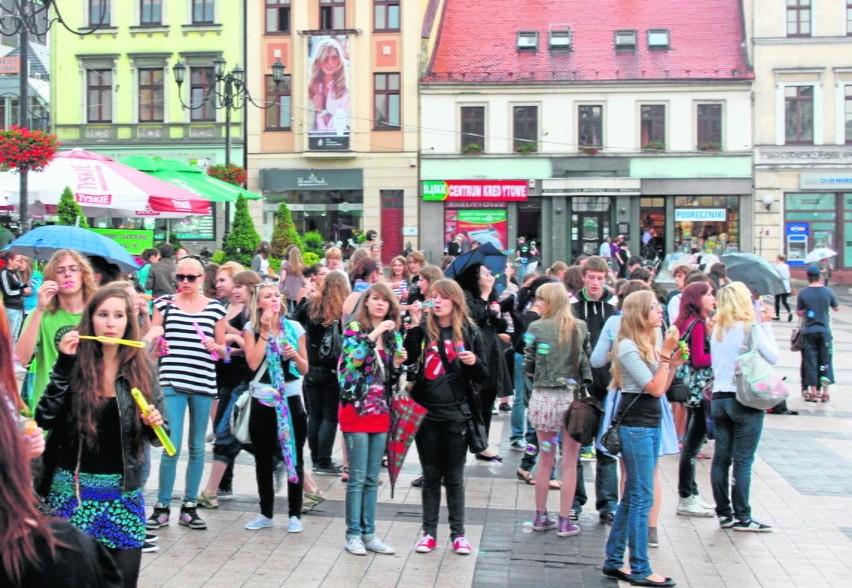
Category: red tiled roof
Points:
column 477, row 41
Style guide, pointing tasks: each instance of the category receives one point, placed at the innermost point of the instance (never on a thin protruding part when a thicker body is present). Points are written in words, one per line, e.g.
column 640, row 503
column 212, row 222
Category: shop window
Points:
column 278, row 117
column 202, row 107
column 709, row 127
column 150, row 13
column 386, row 15
column 277, row 16
column 525, row 128
column 151, row 95
column 799, row 115
column 590, row 126
column 848, row 113
column 472, row 129
column 798, row 18
column 202, row 12
column 332, row 15
column 99, row 96
column 707, row 224
column 653, row 126
column 386, row 101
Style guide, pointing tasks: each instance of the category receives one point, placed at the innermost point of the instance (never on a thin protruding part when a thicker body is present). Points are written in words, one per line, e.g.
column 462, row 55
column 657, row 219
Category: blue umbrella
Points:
column 42, row 242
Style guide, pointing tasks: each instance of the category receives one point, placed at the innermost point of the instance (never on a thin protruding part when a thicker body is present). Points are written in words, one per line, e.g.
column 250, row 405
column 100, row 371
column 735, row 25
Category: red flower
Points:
column 23, row 149
column 233, row 174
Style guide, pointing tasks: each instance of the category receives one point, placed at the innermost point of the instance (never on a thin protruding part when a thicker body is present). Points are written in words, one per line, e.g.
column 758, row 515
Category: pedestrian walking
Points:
column 783, row 271
column 813, row 303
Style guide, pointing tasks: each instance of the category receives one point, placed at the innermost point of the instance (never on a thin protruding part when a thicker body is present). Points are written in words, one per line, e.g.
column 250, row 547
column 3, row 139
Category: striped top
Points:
column 397, row 288
column 189, row 366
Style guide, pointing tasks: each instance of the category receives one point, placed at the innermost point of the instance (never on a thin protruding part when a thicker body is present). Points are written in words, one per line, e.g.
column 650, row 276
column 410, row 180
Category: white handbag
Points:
column 241, row 412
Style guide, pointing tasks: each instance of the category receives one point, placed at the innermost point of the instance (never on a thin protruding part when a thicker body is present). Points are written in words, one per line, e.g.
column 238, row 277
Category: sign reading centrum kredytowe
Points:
column 475, row 190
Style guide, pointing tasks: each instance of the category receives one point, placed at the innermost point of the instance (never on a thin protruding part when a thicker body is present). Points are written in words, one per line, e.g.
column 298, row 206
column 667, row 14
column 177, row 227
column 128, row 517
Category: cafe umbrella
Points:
column 189, row 177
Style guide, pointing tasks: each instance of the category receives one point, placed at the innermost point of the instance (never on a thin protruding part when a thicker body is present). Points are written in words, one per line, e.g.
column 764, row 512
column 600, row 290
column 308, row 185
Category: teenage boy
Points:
column 595, row 304
column 813, row 303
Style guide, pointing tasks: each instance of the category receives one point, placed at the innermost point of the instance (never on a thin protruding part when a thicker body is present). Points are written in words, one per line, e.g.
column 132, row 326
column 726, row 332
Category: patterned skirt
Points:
column 113, row 518
column 547, row 408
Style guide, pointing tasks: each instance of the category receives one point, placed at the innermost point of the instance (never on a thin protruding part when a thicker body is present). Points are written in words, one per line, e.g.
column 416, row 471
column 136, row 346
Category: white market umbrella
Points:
column 819, row 254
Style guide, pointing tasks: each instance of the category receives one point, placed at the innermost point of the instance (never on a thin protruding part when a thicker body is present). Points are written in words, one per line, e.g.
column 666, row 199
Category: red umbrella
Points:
column 407, row 416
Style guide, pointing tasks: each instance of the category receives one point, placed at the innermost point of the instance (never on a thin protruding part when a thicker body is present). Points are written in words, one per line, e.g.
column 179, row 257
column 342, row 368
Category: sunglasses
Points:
column 187, row 277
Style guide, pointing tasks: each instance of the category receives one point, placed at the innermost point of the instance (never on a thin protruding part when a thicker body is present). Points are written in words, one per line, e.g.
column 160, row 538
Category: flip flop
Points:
column 526, row 477
column 555, row 485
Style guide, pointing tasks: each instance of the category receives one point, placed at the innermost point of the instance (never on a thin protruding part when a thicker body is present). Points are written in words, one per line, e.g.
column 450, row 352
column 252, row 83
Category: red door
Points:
column 391, row 229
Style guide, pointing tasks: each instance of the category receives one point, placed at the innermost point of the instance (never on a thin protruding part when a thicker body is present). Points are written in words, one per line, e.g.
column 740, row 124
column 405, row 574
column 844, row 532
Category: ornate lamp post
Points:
column 227, row 91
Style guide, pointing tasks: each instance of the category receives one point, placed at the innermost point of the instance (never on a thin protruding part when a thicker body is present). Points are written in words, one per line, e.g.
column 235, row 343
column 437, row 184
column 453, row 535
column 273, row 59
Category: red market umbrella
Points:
column 101, row 184
column 406, row 418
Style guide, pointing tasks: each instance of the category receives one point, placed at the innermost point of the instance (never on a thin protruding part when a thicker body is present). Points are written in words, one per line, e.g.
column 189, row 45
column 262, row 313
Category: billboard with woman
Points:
column 328, row 92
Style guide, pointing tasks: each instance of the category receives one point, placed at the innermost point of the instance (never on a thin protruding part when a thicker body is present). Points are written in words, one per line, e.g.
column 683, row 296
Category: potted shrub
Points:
column 472, row 149
column 654, row 145
column 710, row 146
column 527, row 147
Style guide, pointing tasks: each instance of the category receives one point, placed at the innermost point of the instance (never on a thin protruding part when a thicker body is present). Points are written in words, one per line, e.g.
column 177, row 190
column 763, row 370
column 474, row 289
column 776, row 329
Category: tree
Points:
column 69, row 210
column 313, row 243
column 242, row 241
column 284, row 233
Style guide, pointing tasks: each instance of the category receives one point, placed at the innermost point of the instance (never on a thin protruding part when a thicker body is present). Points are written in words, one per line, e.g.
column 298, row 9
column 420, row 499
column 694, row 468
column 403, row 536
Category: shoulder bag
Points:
column 611, row 439
column 758, row 386
column 331, row 345
column 696, row 381
column 797, row 337
column 477, row 435
column 241, row 413
column 583, row 417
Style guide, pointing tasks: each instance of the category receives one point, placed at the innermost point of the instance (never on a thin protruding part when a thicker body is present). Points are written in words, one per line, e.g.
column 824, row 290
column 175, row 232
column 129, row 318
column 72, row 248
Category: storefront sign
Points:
column 283, row 180
column 482, row 226
column 592, row 186
column 133, row 241
column 825, row 181
column 700, row 214
column 476, row 190
column 799, row 156
column 10, row 65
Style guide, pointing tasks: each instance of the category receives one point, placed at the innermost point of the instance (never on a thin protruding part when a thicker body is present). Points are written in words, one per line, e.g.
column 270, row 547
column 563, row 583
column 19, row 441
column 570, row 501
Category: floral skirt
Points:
column 113, row 518
column 547, row 408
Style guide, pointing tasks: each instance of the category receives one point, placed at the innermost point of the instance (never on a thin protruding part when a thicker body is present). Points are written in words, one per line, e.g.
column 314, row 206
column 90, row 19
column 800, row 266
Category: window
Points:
column 202, row 11
column 332, row 15
column 151, row 95
column 658, row 38
column 527, row 40
column 560, row 39
column 278, row 117
column 99, row 13
column 799, row 115
column 472, row 129
column 625, row 39
column 525, row 128
column 849, row 19
column 709, row 127
column 150, row 12
column 200, row 97
column 386, row 101
column 386, row 15
column 848, row 116
column 653, row 126
column 99, row 95
column 590, row 126
column 798, row 18
column 277, row 16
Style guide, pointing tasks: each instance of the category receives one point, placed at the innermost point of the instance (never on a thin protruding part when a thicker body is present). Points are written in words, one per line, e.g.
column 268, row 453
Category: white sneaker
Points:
column 378, row 547
column 689, row 507
column 700, row 501
column 295, row 525
column 355, row 546
column 261, row 522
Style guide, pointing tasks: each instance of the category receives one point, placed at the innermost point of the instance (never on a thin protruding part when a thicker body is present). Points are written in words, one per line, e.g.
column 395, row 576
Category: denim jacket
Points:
column 551, row 369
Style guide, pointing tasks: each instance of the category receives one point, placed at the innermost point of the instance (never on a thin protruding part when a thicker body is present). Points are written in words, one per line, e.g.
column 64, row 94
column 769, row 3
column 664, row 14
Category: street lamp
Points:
column 25, row 18
column 228, row 91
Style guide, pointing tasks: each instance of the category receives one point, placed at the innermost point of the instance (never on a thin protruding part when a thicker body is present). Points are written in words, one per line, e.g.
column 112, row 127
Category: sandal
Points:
column 525, row 476
column 344, row 477
column 555, row 485
column 204, row 500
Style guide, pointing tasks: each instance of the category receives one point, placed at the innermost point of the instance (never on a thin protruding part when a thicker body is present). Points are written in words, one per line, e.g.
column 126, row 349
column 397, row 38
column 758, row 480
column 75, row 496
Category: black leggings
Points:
column 779, row 300
column 263, row 429
column 128, row 561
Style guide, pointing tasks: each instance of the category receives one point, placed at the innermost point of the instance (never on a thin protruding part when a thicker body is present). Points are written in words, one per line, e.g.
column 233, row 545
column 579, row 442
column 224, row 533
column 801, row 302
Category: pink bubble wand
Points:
column 204, row 337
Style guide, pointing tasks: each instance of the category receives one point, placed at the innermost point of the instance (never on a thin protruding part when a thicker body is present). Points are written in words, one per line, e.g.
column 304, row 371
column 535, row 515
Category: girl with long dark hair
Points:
column 95, row 454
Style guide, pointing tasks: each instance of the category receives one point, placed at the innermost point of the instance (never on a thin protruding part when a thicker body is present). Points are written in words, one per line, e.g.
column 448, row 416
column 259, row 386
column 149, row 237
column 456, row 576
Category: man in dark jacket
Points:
column 595, row 304
column 161, row 276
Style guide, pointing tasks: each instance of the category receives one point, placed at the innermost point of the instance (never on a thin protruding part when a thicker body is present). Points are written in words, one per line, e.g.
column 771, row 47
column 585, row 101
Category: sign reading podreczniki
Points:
column 700, row 214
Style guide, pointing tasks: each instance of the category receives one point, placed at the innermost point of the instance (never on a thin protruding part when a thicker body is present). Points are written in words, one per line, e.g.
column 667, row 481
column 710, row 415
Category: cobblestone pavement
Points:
column 803, row 462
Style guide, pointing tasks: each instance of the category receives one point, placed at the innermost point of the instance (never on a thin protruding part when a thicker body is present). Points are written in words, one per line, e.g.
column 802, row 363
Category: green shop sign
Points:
column 134, row 241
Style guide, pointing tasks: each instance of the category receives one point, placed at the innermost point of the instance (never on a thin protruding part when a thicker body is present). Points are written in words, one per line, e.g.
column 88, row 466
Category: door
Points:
column 588, row 230
column 392, row 220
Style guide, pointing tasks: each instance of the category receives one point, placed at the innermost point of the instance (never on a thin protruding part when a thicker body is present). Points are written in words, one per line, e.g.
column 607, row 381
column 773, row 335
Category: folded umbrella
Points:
column 754, row 271
column 42, row 242
column 406, row 418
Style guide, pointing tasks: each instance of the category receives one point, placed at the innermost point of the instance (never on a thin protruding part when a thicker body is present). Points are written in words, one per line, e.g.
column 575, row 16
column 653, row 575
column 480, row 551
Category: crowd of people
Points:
column 273, row 360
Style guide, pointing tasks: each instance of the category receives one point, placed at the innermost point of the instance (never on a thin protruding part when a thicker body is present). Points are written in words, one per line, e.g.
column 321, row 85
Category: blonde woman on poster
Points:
column 328, row 87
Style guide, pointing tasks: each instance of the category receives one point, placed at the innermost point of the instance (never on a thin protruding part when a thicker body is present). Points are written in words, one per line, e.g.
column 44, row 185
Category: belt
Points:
column 724, row 395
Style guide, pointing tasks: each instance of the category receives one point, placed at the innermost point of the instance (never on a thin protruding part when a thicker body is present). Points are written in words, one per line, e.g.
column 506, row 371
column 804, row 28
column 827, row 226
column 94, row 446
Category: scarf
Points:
column 274, row 354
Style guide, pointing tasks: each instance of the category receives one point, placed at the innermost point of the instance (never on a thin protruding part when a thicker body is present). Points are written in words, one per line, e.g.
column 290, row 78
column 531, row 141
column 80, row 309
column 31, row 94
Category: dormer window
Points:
column 527, row 41
column 625, row 40
column 560, row 39
column 658, row 38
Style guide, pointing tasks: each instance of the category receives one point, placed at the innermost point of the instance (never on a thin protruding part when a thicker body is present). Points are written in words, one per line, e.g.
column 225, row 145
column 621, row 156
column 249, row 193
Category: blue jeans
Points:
column 737, row 431
column 519, row 409
column 640, row 449
column 365, row 459
column 16, row 317
column 177, row 404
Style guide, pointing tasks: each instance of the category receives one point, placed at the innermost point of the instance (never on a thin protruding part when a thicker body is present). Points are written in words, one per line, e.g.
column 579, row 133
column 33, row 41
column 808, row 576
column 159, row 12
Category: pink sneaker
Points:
column 461, row 546
column 426, row 544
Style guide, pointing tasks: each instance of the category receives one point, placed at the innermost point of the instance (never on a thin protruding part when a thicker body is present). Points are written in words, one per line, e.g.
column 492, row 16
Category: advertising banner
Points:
column 483, row 226
column 475, row 190
column 328, row 92
column 134, row 241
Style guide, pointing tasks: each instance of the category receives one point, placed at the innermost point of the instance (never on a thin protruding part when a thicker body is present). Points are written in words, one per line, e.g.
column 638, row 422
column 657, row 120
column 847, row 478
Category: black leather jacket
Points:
column 53, row 414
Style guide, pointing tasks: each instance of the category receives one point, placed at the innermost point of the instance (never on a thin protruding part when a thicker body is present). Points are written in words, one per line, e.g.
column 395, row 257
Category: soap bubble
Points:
column 527, row 527
column 495, row 467
column 531, row 449
column 546, row 446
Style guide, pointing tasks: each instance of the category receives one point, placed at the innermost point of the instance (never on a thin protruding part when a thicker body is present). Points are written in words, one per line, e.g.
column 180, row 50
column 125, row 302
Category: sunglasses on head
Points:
column 187, row 277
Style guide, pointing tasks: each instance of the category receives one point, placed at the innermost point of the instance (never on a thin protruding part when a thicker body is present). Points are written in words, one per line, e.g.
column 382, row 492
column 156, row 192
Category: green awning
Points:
column 189, row 178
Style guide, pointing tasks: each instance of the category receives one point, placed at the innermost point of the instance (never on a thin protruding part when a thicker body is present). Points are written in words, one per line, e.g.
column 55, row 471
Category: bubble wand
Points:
column 203, row 337
column 158, row 429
